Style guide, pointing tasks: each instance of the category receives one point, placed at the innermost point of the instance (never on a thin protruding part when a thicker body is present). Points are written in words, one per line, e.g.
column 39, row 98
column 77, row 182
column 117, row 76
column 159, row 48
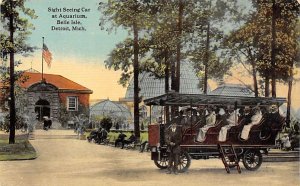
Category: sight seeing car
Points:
column 217, row 140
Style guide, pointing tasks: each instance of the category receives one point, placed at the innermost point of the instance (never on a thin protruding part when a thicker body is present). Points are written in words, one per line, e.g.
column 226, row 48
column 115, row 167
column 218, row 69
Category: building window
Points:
column 72, row 103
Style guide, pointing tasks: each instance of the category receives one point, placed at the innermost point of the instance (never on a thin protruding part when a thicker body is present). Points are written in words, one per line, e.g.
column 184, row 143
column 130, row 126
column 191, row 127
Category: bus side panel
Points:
column 153, row 134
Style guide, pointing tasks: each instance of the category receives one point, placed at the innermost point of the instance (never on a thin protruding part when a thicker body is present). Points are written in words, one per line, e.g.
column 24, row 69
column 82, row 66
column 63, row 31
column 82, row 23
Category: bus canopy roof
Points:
column 177, row 99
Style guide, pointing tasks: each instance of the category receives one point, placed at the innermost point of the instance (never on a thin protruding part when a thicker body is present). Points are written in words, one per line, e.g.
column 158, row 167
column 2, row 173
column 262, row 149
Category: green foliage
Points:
column 106, row 123
column 21, row 27
column 65, row 115
column 205, row 41
column 252, row 41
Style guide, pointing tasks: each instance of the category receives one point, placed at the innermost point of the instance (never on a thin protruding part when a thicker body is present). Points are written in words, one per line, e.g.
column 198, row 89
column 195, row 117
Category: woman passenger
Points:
column 210, row 122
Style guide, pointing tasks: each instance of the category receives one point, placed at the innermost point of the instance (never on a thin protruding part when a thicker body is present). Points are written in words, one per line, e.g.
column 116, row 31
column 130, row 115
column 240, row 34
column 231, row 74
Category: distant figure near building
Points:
column 47, row 123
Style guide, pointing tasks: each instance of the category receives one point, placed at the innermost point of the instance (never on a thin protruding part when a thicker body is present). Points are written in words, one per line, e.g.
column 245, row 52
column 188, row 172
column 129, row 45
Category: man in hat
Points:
column 274, row 115
column 246, row 115
column 173, row 141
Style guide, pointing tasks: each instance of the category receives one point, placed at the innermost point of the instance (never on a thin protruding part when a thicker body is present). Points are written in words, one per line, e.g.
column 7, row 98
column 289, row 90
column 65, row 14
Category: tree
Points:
column 18, row 28
column 244, row 42
column 271, row 24
column 106, row 123
column 132, row 15
column 205, row 41
column 268, row 41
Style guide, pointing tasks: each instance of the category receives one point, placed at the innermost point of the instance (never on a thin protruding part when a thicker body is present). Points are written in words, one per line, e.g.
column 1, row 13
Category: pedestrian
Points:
column 173, row 141
column 120, row 138
column 286, row 144
column 130, row 140
column 45, row 122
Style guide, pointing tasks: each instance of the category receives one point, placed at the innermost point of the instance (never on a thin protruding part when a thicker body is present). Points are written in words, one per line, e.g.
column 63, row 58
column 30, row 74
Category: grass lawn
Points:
column 21, row 150
column 114, row 135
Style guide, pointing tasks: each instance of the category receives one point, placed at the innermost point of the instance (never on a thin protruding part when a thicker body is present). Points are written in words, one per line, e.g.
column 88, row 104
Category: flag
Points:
column 47, row 55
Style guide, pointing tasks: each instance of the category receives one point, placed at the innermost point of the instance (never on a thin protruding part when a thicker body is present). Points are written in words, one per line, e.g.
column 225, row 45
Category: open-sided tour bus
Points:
column 232, row 148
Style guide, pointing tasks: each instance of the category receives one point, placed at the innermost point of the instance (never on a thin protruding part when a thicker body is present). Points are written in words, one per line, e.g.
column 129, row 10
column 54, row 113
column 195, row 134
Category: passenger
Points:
column 274, row 115
column 210, row 121
column 255, row 119
column 194, row 116
column 231, row 121
column 246, row 115
column 182, row 119
column 272, row 118
column 221, row 115
column 179, row 118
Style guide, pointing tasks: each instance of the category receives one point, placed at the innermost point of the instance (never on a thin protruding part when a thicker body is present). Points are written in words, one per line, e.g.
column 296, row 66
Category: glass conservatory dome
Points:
column 232, row 90
column 151, row 86
column 117, row 111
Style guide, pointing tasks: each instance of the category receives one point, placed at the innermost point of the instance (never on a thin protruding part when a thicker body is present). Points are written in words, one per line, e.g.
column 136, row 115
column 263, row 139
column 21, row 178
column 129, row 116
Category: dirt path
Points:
column 74, row 162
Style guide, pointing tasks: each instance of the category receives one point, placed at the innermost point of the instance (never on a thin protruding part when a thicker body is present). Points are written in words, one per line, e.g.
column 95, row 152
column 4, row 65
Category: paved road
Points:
column 75, row 162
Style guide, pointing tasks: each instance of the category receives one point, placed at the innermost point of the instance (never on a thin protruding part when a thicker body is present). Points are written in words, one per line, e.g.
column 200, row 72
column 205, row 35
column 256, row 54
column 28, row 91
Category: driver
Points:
column 173, row 141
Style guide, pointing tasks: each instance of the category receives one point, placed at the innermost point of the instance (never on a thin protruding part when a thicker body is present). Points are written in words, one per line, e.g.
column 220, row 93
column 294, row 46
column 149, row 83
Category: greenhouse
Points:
column 152, row 86
column 119, row 113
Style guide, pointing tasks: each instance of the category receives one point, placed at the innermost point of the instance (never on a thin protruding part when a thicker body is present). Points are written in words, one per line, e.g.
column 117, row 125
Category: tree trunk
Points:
column 273, row 48
column 136, row 80
column 167, row 72
column 178, row 50
column 255, row 81
column 254, row 74
column 267, row 85
column 207, row 48
column 12, row 110
column 206, row 61
column 289, row 97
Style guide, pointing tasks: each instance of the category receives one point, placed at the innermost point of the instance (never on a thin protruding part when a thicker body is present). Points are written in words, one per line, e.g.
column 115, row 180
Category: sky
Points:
column 80, row 55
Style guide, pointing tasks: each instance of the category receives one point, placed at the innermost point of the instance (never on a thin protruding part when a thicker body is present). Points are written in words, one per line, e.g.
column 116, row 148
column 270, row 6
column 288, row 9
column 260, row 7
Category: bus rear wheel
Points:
column 252, row 159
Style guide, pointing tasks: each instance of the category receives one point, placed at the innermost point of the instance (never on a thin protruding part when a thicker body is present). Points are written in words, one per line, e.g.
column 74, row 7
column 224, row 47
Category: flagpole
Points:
column 43, row 61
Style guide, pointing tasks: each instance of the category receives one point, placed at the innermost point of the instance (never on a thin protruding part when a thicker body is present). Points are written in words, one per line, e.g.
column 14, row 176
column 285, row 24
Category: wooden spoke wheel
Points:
column 252, row 159
column 184, row 162
column 162, row 163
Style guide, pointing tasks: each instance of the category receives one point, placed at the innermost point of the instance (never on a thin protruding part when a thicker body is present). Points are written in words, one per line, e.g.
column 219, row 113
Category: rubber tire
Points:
column 250, row 157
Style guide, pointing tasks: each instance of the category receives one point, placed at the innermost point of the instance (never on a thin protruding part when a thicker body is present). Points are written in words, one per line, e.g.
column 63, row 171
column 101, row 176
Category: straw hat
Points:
column 247, row 108
column 273, row 108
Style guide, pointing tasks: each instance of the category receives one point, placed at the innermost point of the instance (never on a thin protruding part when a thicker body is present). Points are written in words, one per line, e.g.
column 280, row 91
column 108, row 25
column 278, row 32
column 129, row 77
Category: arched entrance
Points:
column 42, row 108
